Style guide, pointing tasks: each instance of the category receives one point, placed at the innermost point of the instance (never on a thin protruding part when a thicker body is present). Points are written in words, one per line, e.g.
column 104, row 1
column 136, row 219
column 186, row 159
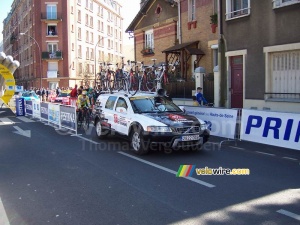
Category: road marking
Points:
column 25, row 119
column 237, row 147
column 289, row 214
column 86, row 139
column 3, row 215
column 168, row 170
column 7, row 121
column 290, row 158
column 26, row 133
column 265, row 153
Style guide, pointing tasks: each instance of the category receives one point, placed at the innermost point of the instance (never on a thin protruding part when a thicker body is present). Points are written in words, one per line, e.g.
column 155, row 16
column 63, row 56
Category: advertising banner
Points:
column 44, row 111
column 272, row 128
column 221, row 122
column 68, row 117
column 20, row 107
column 28, row 107
column 36, row 110
column 53, row 114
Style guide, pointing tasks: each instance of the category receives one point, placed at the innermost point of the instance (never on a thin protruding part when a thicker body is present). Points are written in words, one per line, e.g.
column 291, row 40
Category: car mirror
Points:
column 121, row 110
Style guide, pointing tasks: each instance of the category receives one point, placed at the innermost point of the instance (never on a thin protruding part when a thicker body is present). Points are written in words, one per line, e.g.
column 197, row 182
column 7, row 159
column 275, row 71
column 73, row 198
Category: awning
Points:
column 179, row 47
column 194, row 51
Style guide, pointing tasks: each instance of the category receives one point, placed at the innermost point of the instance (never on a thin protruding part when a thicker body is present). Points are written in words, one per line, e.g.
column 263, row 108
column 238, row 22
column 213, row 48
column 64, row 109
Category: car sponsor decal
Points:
column 120, row 120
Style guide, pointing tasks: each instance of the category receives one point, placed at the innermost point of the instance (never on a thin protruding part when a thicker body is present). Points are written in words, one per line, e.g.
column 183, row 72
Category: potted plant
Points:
column 214, row 22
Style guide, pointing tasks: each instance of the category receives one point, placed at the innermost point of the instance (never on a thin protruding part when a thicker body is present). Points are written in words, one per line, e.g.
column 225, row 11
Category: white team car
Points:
column 148, row 121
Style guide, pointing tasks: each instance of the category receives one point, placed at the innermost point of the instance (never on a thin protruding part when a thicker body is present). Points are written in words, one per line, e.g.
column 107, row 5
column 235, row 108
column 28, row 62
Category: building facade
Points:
column 262, row 54
column 61, row 43
column 177, row 32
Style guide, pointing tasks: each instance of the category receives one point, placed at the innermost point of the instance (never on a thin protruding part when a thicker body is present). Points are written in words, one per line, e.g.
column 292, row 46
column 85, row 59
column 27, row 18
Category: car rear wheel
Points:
column 100, row 132
column 137, row 141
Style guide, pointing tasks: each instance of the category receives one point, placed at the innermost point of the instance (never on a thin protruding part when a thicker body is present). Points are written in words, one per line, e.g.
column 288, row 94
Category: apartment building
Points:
column 61, row 43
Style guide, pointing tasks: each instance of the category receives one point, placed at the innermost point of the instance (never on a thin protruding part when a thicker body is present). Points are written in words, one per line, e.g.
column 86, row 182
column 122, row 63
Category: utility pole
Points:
column 222, row 58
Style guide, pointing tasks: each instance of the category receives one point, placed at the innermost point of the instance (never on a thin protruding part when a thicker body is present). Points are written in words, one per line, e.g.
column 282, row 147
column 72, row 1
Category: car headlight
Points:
column 203, row 126
column 158, row 129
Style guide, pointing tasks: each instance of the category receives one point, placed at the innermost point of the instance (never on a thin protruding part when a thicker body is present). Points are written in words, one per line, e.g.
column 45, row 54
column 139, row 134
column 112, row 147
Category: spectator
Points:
column 73, row 93
column 199, row 97
column 195, row 102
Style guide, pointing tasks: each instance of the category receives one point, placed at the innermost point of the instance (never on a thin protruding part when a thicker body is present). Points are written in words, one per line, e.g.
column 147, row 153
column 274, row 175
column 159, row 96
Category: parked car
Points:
column 28, row 95
column 148, row 121
column 62, row 98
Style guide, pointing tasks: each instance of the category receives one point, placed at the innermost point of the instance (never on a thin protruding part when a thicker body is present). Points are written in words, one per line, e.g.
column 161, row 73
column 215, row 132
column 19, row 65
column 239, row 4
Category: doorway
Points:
column 236, row 81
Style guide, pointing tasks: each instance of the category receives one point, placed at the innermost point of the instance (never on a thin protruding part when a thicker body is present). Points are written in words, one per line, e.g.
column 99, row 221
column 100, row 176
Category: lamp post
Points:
column 23, row 34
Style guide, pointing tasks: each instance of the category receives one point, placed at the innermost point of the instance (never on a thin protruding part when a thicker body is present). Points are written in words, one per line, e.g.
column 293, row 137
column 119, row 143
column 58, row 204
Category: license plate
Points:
column 190, row 138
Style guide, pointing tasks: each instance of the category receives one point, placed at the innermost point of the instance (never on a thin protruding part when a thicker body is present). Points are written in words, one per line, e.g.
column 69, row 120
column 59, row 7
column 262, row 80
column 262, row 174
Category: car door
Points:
column 121, row 116
column 108, row 111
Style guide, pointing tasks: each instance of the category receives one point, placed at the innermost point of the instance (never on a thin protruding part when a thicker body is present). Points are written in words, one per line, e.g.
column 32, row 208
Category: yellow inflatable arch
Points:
column 7, row 80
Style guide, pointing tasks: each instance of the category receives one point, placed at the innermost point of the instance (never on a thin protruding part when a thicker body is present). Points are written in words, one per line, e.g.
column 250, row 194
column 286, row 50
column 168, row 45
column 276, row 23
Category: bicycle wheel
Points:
column 111, row 80
column 151, row 82
column 134, row 84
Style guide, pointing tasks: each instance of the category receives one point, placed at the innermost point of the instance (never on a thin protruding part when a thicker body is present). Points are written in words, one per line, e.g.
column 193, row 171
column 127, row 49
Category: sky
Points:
column 4, row 10
column 129, row 10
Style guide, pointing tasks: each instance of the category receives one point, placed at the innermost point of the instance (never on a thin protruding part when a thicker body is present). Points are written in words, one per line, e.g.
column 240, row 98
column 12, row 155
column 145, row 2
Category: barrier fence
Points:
column 265, row 127
column 61, row 116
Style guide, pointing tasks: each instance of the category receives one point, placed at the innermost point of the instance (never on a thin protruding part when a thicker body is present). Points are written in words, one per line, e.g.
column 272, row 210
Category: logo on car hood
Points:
column 173, row 119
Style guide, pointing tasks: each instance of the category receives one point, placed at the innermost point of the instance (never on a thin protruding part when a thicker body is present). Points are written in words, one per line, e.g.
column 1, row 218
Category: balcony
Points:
column 51, row 17
column 52, row 55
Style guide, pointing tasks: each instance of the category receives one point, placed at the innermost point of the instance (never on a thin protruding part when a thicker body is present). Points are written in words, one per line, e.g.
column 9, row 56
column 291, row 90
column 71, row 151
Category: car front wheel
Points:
column 137, row 142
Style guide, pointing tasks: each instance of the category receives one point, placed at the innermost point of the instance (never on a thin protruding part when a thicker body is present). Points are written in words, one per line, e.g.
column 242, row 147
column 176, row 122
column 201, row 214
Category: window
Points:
column 92, row 38
column 281, row 3
column 79, row 51
column 192, row 10
column 79, row 2
column 283, row 77
column 80, row 68
column 73, row 47
column 99, row 25
column 121, row 103
column 92, row 54
column 110, row 102
column 86, row 19
column 237, row 8
column 51, row 12
column 91, row 5
column 79, row 33
column 87, row 53
column 149, row 41
column 51, row 29
column 52, row 47
column 86, row 36
column 91, row 22
column 79, row 16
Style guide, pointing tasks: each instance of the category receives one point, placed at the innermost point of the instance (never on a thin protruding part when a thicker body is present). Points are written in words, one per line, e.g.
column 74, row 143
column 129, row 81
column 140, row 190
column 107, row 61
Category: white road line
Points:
column 86, row 139
column 7, row 121
column 3, row 215
column 168, row 170
column 25, row 119
column 265, row 153
column 289, row 214
column 237, row 147
column 290, row 158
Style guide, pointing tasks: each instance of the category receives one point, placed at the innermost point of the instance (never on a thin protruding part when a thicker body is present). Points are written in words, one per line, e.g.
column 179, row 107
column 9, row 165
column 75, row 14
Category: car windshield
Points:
column 64, row 94
column 149, row 104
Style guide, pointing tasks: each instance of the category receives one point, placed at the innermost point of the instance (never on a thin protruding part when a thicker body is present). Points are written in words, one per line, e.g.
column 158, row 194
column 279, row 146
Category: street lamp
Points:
column 23, row 34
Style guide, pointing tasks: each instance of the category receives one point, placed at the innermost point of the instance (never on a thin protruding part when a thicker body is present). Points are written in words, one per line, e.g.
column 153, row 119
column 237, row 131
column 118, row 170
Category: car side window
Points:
column 121, row 103
column 110, row 102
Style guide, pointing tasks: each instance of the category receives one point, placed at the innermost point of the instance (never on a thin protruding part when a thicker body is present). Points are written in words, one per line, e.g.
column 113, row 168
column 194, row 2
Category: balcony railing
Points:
column 51, row 16
column 52, row 55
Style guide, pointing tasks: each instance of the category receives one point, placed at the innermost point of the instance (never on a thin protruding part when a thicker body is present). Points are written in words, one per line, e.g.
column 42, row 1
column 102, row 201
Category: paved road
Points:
column 50, row 177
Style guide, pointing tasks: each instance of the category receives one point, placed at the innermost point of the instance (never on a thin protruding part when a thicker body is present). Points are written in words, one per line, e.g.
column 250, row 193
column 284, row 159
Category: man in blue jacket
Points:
column 199, row 97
